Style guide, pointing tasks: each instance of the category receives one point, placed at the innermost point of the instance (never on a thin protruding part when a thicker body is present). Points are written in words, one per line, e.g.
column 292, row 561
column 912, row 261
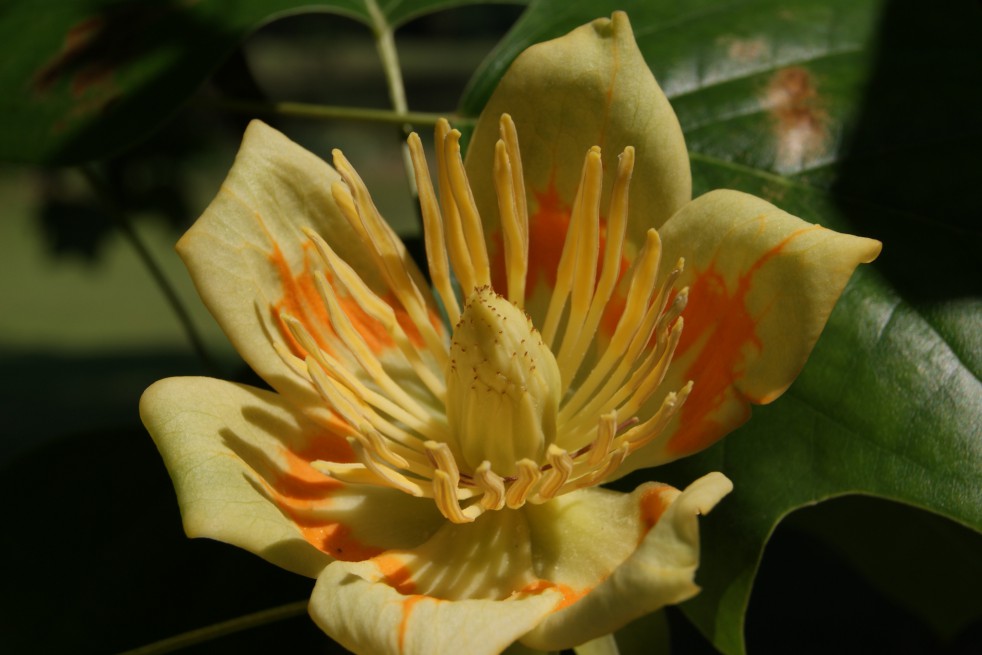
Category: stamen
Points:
column 379, row 446
column 378, row 310
column 355, row 473
column 606, row 430
column 506, row 128
column 555, row 477
column 617, row 216
column 357, row 346
column 571, row 248
column 492, row 485
column 460, row 257
column 469, row 218
column 399, row 441
column 436, row 245
column 635, row 310
column 392, row 477
column 585, row 219
column 528, row 475
column 428, row 426
column 514, row 230
column 443, row 459
column 357, row 413
column 643, row 434
column 391, row 258
column 445, row 495
column 651, row 375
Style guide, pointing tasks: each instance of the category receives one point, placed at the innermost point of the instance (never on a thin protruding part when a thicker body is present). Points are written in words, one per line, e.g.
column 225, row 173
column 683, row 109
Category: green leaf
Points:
column 84, row 80
column 828, row 109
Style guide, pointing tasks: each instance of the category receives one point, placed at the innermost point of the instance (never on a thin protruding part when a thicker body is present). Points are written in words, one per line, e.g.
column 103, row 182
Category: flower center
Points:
column 503, row 386
column 503, row 414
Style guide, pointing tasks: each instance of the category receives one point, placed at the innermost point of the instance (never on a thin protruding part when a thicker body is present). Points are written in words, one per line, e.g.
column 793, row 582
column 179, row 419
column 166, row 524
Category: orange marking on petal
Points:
column 654, row 501
column 407, row 608
column 302, row 301
column 409, row 326
column 336, row 540
column 719, row 321
column 396, row 573
column 547, row 238
column 301, row 492
column 570, row 595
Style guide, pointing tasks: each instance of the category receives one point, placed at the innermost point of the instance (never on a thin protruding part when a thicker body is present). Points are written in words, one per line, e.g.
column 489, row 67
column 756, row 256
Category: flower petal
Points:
column 658, row 572
column 589, row 88
column 257, row 268
column 240, row 461
column 762, row 284
column 355, row 605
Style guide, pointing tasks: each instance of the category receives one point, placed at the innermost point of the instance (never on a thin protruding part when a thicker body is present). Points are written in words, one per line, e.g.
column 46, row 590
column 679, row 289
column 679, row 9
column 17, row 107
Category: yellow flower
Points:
column 441, row 483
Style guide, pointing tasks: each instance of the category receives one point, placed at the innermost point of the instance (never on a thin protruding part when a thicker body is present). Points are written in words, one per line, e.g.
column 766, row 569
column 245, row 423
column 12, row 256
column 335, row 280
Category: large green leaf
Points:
column 862, row 116
column 83, row 80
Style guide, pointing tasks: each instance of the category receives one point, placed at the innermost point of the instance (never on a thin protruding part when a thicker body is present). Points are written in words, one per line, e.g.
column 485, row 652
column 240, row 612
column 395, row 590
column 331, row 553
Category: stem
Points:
column 217, row 630
column 330, row 112
column 386, row 44
column 105, row 195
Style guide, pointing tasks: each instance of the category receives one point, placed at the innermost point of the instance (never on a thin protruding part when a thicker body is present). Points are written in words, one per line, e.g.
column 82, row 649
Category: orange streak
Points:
column 654, row 501
column 407, row 608
column 570, row 595
column 302, row 301
column 397, row 575
column 302, row 493
column 548, row 226
column 720, row 321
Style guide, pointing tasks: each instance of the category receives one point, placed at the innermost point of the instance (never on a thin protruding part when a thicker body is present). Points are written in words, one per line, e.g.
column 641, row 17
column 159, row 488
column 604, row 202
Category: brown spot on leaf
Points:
column 746, row 50
column 98, row 47
column 800, row 122
column 78, row 41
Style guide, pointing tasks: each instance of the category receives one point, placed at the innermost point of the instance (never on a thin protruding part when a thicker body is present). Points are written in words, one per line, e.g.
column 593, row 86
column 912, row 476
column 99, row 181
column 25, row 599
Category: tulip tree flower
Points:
column 434, row 460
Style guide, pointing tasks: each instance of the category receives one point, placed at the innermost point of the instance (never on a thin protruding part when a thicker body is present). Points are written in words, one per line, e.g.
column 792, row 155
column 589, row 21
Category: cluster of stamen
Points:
column 428, row 437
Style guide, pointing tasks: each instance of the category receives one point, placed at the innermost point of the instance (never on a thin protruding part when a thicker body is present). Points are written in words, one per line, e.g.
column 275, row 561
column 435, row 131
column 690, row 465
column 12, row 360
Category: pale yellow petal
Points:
column 240, row 459
column 659, row 572
column 762, row 284
column 256, row 268
column 354, row 604
column 589, row 88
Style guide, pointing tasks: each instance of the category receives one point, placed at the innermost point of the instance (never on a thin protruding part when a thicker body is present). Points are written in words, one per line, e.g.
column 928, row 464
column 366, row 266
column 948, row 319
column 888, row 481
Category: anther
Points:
column 528, row 475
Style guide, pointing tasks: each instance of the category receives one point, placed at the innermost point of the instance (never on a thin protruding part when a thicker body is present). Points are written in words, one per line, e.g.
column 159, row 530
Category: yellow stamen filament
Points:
column 470, row 220
column 515, row 232
column 405, row 436
column 586, row 221
column 390, row 255
column 618, row 352
column 378, row 310
column 436, row 252
column 460, row 256
column 579, row 230
column 617, row 215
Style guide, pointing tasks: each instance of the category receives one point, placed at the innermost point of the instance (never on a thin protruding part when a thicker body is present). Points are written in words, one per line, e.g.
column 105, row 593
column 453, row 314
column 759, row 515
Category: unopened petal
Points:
column 589, row 88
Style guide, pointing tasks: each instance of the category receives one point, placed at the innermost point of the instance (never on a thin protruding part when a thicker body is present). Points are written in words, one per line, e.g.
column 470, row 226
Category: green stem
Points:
column 116, row 213
column 218, row 630
column 330, row 112
column 386, row 44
